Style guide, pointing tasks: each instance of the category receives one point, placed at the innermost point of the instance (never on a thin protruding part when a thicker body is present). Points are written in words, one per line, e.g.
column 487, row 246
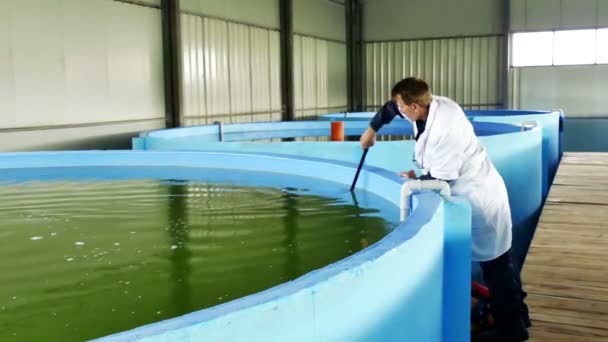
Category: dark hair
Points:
column 412, row 90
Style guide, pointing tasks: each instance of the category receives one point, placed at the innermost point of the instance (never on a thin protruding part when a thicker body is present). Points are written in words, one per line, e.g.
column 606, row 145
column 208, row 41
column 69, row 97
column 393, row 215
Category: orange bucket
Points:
column 337, row 131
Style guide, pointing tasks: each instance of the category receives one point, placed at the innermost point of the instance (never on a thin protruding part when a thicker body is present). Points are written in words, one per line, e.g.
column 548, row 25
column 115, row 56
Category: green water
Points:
column 81, row 260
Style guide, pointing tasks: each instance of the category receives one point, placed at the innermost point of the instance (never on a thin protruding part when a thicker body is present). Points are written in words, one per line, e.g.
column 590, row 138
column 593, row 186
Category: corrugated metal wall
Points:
column 468, row 69
column 318, row 89
column 230, row 72
column 231, row 68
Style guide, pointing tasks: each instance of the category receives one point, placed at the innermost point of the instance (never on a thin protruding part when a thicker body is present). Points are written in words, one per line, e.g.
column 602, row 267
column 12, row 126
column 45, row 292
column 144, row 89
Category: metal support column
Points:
column 286, row 26
column 354, row 54
column 170, row 12
column 506, row 53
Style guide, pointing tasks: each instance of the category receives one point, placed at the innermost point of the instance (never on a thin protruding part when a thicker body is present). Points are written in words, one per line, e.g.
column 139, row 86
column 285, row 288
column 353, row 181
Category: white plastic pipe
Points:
column 415, row 185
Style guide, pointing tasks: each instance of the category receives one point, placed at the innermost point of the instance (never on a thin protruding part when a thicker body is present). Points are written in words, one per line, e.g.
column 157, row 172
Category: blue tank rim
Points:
column 268, row 130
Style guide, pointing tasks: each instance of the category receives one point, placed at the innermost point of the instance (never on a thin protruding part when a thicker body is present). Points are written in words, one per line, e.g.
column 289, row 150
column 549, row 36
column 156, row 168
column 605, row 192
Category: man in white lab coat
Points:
column 448, row 149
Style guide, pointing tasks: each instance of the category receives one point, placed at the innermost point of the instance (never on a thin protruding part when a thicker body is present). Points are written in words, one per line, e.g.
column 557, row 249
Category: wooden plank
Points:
column 582, row 168
column 572, row 213
column 576, row 241
column 586, row 185
column 598, row 182
column 546, row 336
column 587, row 156
column 585, row 159
column 577, row 261
column 549, row 219
column 566, row 273
column 562, row 248
column 559, row 195
column 548, row 315
column 570, row 307
column 569, row 331
column 572, row 332
column 587, row 256
column 574, row 290
column 571, row 208
column 560, row 273
column 563, row 180
column 568, row 229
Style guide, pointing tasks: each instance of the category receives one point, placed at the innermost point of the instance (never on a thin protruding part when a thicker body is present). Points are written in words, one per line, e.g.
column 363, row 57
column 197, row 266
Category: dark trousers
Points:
column 507, row 297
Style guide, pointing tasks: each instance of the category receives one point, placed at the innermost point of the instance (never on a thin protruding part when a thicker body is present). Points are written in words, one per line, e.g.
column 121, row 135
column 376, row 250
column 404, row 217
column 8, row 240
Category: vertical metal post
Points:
column 360, row 53
column 286, row 26
column 348, row 4
column 354, row 54
column 170, row 12
column 506, row 53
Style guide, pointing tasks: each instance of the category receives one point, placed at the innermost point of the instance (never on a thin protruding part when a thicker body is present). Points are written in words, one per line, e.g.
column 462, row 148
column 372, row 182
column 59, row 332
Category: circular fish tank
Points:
column 216, row 245
column 519, row 152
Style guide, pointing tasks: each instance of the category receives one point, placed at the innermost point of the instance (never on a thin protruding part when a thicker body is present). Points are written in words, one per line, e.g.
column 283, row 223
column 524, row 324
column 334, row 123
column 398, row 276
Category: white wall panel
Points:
column 274, row 61
column 579, row 90
column 542, row 14
column 230, row 72
column 464, row 69
column 578, row 13
column 258, row 12
column 68, row 62
column 241, row 43
column 124, row 63
column 96, row 136
column 399, row 19
column 298, row 76
column 517, row 12
column 319, row 18
column 318, row 68
column 188, row 65
column 533, row 15
column 321, row 72
column 602, row 13
column 8, row 113
column 309, row 74
column 85, row 60
column 39, row 82
column 260, row 85
column 215, row 34
column 336, row 73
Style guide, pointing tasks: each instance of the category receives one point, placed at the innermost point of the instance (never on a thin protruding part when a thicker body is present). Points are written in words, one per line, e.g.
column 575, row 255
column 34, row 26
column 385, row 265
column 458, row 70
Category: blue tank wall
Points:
column 414, row 283
column 552, row 139
column 552, row 123
column 520, row 163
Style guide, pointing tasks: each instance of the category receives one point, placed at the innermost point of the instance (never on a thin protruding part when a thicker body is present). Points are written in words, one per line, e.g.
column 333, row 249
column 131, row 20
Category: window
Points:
column 602, row 46
column 533, row 48
column 574, row 47
column 566, row 47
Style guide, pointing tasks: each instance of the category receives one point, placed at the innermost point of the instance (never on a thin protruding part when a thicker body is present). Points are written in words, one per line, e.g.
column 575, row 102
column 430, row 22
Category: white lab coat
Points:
column 449, row 150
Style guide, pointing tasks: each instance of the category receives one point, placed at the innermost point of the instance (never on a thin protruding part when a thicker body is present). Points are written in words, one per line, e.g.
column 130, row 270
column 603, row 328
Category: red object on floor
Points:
column 483, row 291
